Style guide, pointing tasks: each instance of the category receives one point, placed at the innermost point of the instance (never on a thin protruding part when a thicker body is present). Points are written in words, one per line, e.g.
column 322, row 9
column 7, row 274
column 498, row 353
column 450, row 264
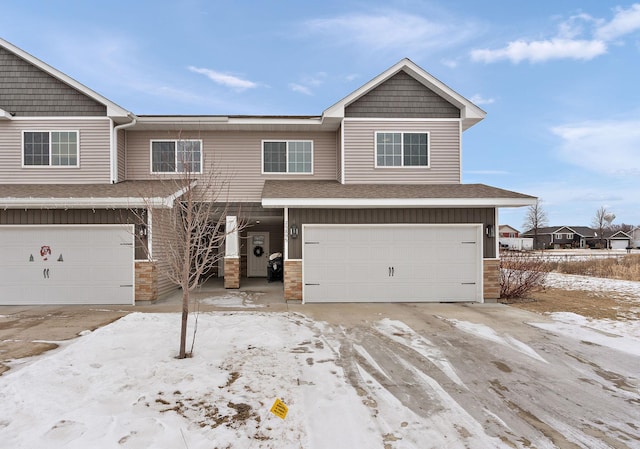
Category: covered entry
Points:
column 392, row 263
column 66, row 264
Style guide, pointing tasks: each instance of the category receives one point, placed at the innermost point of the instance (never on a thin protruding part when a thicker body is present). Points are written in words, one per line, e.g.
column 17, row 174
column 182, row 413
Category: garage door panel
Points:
column 67, row 264
column 391, row 263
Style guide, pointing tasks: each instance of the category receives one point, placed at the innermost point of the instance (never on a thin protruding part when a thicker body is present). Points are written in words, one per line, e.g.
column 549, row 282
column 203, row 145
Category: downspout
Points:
column 114, row 146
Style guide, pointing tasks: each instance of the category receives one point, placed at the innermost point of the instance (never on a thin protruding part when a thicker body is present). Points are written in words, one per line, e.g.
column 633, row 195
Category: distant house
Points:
column 559, row 237
column 509, row 238
column 508, row 232
column 617, row 240
column 635, row 238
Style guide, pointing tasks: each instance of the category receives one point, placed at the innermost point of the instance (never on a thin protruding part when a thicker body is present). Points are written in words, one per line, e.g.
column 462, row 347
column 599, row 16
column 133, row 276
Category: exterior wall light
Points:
column 293, row 231
column 490, row 231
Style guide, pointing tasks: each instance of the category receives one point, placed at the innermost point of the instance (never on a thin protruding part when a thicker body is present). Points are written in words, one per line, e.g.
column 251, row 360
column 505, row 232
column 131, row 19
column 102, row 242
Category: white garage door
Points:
column 619, row 244
column 75, row 264
column 392, row 263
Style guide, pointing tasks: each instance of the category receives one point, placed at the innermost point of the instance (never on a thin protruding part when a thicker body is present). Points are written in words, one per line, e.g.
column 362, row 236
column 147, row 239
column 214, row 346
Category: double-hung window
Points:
column 50, row 148
column 176, row 156
column 402, row 149
column 287, row 156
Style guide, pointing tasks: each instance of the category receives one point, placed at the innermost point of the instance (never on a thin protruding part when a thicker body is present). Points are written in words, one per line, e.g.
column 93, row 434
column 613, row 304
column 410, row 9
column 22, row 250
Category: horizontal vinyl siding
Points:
column 235, row 156
column 360, row 152
column 300, row 217
column 94, row 152
column 122, row 155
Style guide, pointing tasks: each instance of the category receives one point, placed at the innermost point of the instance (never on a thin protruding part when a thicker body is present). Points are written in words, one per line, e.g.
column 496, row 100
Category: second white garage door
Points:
column 392, row 263
column 66, row 264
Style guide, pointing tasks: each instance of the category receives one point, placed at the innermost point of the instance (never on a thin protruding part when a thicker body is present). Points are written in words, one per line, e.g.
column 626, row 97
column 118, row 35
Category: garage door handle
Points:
column 311, row 243
column 468, row 283
column 306, row 283
column 472, row 243
column 392, row 271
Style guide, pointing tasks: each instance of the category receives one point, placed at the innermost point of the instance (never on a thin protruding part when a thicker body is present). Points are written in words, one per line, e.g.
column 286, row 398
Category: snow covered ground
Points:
column 121, row 387
column 627, row 289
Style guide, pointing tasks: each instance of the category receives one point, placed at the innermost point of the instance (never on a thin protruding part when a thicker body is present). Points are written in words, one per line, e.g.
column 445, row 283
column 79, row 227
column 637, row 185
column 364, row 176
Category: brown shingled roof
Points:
column 120, row 190
column 274, row 189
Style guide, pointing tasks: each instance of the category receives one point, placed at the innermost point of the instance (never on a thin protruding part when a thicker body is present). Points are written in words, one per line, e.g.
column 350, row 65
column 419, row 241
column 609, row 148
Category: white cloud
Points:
column 580, row 37
column 539, row 51
column 609, row 147
column 624, row 22
column 479, row 100
column 300, row 88
column 225, row 79
column 352, row 77
column 451, row 63
column 391, row 30
column 308, row 82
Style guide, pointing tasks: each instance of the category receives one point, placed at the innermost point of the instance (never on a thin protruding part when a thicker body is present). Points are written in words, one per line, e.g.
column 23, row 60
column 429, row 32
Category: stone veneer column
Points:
column 293, row 280
column 491, row 272
column 146, row 275
column 231, row 272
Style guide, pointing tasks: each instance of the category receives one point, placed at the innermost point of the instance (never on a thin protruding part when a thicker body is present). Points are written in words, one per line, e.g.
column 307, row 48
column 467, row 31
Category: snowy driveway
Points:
column 353, row 376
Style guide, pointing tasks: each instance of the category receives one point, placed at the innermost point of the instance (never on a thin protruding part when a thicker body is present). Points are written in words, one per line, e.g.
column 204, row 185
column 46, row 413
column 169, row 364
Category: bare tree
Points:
column 186, row 237
column 602, row 222
column 535, row 219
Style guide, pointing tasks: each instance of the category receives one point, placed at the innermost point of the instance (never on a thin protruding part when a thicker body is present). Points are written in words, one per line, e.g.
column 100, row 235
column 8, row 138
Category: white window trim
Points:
column 51, row 166
column 286, row 172
column 175, row 156
column 402, row 133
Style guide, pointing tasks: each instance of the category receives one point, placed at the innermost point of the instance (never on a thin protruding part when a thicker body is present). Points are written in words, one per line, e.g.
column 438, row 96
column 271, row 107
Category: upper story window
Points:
column 50, row 148
column 402, row 149
column 287, row 156
column 176, row 156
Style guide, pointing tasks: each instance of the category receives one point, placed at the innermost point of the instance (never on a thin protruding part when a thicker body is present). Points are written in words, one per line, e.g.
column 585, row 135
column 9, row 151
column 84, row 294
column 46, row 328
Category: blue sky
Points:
column 560, row 81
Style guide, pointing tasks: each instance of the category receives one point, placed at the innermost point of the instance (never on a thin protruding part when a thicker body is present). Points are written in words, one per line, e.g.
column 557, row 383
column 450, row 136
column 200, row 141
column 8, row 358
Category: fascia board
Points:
column 82, row 203
column 113, row 110
column 4, row 115
column 396, row 203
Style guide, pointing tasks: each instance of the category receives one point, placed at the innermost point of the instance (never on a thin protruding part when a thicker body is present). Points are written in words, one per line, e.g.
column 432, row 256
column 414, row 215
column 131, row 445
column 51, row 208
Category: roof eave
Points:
column 83, row 203
column 4, row 115
column 395, row 202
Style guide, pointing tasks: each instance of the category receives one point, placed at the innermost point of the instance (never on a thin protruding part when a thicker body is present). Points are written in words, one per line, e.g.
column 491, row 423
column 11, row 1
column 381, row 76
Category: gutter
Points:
column 114, row 146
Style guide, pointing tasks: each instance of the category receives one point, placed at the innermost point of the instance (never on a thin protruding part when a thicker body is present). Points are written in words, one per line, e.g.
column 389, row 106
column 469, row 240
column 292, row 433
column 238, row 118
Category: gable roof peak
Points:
column 469, row 112
column 113, row 110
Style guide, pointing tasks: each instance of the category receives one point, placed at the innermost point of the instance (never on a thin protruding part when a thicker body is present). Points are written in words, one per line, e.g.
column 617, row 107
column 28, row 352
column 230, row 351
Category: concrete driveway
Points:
column 523, row 383
column 528, row 386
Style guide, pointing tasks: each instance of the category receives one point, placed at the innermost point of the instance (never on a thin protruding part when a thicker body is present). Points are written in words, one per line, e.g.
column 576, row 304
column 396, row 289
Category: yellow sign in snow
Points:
column 279, row 409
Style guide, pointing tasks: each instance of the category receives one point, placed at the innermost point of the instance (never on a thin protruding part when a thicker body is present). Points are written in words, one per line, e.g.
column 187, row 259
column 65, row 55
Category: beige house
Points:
column 364, row 200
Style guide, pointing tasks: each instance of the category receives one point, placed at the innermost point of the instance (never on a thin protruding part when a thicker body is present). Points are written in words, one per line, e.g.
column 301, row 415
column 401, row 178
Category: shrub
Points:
column 520, row 274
